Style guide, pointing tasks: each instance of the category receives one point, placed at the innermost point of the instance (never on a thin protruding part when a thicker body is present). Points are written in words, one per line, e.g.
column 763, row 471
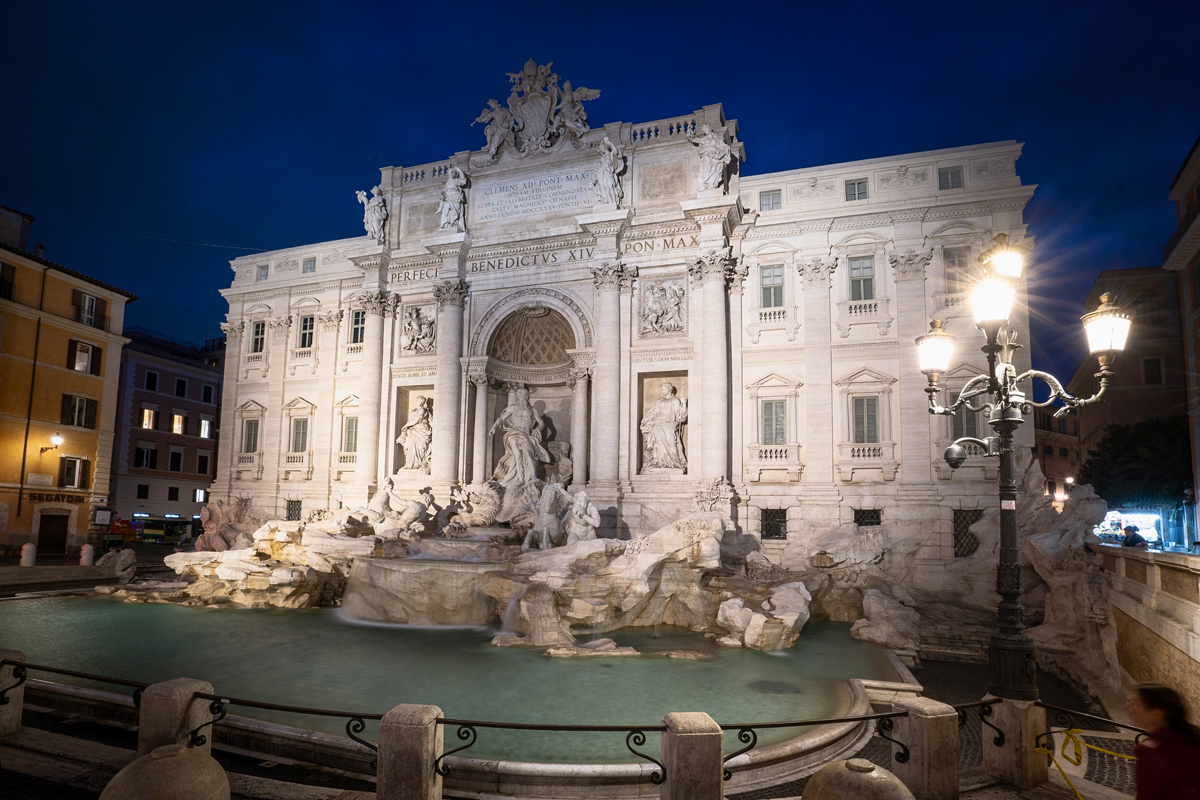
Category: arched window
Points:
column 1146, row 308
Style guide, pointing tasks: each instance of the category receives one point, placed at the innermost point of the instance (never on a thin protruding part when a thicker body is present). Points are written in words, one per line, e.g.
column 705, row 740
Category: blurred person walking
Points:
column 1167, row 760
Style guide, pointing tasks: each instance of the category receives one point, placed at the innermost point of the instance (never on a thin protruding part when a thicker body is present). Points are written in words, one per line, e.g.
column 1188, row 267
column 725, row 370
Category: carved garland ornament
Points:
column 331, row 321
column 910, row 265
column 818, row 271
column 279, row 325
column 450, row 292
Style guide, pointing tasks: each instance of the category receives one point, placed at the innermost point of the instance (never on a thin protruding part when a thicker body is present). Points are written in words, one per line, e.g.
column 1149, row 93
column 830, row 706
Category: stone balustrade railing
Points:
column 425, row 173
column 881, row 455
column 773, row 456
column 662, row 129
column 858, row 312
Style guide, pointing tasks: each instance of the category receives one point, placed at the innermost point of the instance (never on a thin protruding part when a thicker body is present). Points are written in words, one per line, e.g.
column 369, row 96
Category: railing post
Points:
column 931, row 732
column 693, row 749
column 1015, row 763
column 14, row 699
column 410, row 742
column 169, row 712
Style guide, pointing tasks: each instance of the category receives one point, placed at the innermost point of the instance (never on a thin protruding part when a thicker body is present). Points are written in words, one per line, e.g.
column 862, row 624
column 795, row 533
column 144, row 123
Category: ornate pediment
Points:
column 865, row 376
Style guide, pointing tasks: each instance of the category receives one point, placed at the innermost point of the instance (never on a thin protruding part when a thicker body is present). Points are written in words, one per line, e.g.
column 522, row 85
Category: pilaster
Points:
column 447, row 385
column 712, row 271
column 609, row 277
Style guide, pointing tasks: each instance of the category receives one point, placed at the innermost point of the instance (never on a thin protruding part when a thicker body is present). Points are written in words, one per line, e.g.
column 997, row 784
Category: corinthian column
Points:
column 479, row 456
column 606, row 427
column 579, row 427
column 447, row 386
column 370, row 387
column 712, row 271
column 817, row 277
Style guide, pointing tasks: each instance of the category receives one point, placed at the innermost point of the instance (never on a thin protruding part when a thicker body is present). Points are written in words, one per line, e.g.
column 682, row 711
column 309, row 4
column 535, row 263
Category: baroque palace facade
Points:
column 593, row 266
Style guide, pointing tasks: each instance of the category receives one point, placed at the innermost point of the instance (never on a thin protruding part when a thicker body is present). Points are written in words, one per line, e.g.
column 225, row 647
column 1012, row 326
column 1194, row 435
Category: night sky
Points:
column 155, row 142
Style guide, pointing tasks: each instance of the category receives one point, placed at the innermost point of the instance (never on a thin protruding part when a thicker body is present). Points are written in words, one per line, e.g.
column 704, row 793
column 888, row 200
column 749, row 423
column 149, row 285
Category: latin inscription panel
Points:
column 549, row 195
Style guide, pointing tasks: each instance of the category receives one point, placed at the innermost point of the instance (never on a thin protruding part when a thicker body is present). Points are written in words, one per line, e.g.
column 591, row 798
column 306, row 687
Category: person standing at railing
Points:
column 1167, row 761
column 1133, row 538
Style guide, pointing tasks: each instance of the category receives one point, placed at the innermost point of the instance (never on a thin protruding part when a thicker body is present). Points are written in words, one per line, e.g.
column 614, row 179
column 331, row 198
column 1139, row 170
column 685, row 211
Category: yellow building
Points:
column 60, row 351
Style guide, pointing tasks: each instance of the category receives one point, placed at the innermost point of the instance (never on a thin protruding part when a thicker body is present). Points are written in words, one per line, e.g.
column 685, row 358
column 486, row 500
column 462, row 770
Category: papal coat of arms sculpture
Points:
column 540, row 113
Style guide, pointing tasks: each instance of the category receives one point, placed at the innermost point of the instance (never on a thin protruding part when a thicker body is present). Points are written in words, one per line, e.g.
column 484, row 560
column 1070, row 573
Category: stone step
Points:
column 944, row 645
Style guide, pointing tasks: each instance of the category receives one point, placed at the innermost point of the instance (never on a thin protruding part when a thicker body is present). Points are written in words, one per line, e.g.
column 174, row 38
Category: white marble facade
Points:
column 774, row 306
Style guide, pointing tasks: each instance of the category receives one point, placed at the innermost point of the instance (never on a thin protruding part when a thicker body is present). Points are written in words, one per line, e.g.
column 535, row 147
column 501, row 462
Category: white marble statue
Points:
column 661, row 431
column 547, row 526
column 715, row 156
column 415, row 437
column 607, row 183
column 581, row 519
column 454, row 201
column 500, row 130
column 417, row 334
column 523, row 450
column 571, row 113
column 375, row 214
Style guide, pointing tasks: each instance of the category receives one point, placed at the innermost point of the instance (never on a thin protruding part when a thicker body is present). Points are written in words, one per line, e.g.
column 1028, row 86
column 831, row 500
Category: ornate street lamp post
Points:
column 1011, row 652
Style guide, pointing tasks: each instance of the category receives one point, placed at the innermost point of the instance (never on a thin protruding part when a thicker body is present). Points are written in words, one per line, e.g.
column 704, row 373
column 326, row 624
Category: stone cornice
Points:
column 532, row 246
column 660, row 229
column 371, row 260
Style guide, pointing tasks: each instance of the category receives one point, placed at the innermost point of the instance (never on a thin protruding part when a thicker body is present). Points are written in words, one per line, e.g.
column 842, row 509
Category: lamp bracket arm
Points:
column 1057, row 392
column 968, row 393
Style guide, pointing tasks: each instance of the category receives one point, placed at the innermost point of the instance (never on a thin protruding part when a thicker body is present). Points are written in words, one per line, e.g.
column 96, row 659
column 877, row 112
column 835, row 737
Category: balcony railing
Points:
column 773, row 457
column 302, row 353
column 663, row 129
column 872, row 455
column 354, row 349
column 864, row 312
column 782, row 318
column 347, row 458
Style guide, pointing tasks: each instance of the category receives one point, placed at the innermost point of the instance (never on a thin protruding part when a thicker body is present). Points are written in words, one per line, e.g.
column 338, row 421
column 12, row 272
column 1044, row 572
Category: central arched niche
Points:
column 534, row 336
column 537, row 336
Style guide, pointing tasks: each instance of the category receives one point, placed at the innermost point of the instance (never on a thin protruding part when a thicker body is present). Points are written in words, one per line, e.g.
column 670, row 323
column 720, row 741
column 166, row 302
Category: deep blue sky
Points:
column 140, row 135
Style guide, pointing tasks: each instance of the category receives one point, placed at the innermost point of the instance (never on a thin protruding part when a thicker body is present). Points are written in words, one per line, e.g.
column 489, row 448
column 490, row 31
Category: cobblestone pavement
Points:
column 1106, row 770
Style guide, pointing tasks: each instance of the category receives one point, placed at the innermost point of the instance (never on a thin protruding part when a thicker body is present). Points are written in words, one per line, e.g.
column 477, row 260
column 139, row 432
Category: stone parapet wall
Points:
column 67, row 576
column 1155, row 604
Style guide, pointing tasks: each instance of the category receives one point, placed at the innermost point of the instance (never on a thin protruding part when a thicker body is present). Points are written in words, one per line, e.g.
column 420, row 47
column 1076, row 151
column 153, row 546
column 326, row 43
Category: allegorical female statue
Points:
column 606, row 182
column 663, row 447
column 454, row 200
column 415, row 437
column 375, row 214
column 523, row 450
column 715, row 155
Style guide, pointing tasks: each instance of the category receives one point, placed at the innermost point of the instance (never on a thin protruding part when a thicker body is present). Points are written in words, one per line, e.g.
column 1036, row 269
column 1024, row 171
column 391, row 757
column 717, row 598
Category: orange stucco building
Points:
column 60, row 347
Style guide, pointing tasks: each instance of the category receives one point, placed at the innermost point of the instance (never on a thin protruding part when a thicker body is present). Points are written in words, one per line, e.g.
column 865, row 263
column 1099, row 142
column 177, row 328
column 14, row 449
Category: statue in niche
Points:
column 581, row 519
column 454, row 200
column 661, row 431
column 606, row 183
column 523, row 450
column 662, row 309
column 500, row 128
column 571, row 113
column 375, row 214
column 415, row 437
column 715, row 156
column 417, row 334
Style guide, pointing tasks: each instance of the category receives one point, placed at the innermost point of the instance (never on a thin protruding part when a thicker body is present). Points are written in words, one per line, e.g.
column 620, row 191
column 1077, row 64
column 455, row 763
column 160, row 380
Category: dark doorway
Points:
column 52, row 534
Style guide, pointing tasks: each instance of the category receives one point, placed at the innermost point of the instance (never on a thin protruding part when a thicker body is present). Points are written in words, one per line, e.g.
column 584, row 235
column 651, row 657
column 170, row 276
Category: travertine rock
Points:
column 887, row 622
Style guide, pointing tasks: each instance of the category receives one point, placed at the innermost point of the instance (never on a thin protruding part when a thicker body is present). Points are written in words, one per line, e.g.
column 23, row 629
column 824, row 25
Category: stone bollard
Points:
column 410, row 740
column 169, row 712
column 693, row 749
column 28, row 554
column 87, row 555
column 931, row 732
column 10, row 712
column 856, row 779
column 1015, row 763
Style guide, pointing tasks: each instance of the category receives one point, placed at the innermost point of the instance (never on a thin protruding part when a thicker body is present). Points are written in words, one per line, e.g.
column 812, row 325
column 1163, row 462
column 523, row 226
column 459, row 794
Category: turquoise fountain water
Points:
column 316, row 658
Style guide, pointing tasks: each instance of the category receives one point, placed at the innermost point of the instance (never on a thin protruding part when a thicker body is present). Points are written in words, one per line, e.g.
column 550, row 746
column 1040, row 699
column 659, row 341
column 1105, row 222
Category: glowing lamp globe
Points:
column 934, row 349
column 991, row 300
column 1107, row 327
column 1003, row 259
column 56, row 440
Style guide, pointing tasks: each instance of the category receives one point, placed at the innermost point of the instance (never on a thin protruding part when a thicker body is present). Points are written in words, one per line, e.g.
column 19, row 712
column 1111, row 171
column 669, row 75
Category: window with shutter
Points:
column 89, row 415
column 774, row 426
column 96, row 353
column 866, row 420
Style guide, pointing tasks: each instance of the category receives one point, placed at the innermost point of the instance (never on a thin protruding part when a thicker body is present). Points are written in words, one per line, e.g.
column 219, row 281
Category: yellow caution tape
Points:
column 1072, row 736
